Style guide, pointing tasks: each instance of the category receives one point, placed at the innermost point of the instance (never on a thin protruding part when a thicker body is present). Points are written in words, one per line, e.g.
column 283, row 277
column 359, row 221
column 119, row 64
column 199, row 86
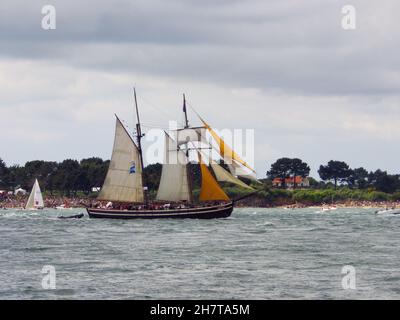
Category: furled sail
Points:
column 35, row 200
column 191, row 134
column 237, row 170
column 226, row 152
column 123, row 182
column 224, row 176
column 174, row 184
column 210, row 189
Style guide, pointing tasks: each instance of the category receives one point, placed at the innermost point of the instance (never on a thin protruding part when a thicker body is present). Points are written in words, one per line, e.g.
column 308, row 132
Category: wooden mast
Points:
column 139, row 141
column 188, row 167
column 185, row 111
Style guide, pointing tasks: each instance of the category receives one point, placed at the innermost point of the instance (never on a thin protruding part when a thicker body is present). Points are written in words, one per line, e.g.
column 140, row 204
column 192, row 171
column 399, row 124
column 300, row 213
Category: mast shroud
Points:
column 139, row 141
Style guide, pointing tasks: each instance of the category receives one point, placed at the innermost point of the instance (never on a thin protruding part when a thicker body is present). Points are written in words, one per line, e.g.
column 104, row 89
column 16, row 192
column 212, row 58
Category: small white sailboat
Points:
column 63, row 207
column 331, row 208
column 35, row 201
column 389, row 211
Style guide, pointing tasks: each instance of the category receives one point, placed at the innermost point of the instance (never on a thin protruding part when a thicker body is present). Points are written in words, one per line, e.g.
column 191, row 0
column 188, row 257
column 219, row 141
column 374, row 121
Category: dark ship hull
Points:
column 211, row 212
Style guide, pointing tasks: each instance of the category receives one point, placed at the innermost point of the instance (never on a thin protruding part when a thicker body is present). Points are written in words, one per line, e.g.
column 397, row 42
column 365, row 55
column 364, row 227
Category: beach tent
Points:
column 20, row 191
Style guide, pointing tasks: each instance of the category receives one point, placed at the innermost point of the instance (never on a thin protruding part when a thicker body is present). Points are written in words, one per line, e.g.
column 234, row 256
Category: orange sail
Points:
column 210, row 189
column 225, row 151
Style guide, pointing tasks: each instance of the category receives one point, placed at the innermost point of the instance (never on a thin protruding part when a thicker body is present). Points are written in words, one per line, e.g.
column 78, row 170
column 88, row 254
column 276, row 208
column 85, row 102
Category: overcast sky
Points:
column 286, row 69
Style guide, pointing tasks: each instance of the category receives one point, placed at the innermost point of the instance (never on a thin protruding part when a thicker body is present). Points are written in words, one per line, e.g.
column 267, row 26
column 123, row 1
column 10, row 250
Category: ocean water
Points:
column 255, row 254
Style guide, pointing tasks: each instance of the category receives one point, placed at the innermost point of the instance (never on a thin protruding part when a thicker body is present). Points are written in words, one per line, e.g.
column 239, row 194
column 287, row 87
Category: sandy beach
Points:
column 80, row 202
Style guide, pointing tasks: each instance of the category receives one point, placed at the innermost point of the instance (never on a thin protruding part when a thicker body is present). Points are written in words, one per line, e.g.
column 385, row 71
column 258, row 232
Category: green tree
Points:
column 358, row 178
column 16, row 177
column 314, row 183
column 41, row 170
column 388, row 183
column 334, row 170
column 299, row 168
column 66, row 177
column 92, row 173
column 374, row 176
column 152, row 175
column 4, row 174
column 280, row 169
column 286, row 167
column 384, row 182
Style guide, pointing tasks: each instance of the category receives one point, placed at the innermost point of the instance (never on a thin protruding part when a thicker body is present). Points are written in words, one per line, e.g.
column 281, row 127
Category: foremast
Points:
column 188, row 167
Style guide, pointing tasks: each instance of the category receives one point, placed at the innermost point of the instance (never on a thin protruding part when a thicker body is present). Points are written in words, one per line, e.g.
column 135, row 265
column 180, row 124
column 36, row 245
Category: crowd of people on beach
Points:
column 336, row 204
column 58, row 202
column 19, row 201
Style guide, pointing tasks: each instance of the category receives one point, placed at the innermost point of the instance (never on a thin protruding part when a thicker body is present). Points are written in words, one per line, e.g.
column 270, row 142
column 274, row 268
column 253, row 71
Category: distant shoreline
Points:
column 82, row 203
column 339, row 205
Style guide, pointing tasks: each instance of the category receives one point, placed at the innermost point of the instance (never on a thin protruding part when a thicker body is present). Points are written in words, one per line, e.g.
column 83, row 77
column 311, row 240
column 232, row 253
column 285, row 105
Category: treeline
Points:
column 70, row 176
column 335, row 173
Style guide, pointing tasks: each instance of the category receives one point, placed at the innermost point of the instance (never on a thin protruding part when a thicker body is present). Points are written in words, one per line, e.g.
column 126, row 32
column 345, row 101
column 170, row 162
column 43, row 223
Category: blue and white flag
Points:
column 132, row 169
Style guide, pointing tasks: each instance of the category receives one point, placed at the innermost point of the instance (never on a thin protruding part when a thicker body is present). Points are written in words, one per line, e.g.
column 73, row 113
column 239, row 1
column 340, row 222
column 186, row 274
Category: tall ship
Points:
column 125, row 192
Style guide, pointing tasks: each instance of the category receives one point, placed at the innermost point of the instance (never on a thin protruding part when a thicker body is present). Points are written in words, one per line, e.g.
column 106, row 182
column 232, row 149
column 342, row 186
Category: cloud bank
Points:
column 287, row 69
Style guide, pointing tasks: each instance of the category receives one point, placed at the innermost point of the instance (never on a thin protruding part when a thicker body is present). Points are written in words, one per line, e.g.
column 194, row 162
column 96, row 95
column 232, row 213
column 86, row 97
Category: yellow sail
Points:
column 210, row 189
column 225, row 151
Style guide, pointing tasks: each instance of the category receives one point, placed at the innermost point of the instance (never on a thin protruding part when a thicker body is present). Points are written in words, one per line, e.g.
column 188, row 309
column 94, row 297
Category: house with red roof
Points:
column 289, row 182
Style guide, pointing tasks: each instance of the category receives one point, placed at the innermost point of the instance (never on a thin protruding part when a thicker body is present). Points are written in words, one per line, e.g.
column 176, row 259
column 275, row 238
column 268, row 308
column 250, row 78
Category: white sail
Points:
column 174, row 184
column 35, row 200
column 223, row 175
column 191, row 134
column 240, row 171
column 123, row 182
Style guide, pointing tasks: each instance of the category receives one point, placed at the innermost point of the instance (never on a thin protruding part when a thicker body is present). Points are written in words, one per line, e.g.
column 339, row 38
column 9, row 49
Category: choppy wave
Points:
column 255, row 254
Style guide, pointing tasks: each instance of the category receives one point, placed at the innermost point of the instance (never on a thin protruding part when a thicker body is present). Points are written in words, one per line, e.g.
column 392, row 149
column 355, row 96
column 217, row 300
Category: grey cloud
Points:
column 287, row 46
column 308, row 88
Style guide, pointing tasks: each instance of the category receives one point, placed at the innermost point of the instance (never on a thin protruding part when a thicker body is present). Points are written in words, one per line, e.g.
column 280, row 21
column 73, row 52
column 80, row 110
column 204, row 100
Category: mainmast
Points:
column 139, row 141
column 185, row 111
column 188, row 167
